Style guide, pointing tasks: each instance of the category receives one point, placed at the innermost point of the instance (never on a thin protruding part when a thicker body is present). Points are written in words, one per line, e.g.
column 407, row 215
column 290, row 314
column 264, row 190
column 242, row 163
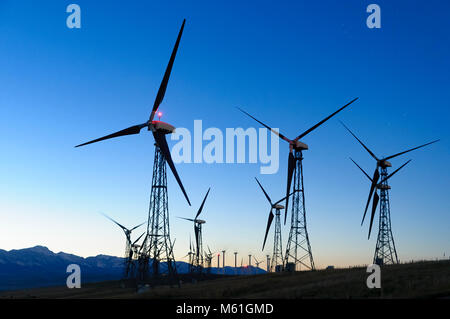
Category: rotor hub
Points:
column 384, row 164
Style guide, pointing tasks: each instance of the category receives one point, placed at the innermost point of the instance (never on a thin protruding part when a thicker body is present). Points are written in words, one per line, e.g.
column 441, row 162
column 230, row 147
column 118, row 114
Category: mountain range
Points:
column 40, row 267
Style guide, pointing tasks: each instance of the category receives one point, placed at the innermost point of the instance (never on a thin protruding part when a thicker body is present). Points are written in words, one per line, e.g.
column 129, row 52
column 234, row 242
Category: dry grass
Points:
column 414, row 280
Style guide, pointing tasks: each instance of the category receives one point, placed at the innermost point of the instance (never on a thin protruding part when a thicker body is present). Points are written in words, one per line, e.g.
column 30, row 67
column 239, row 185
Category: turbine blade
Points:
column 189, row 219
column 267, row 127
column 323, row 121
column 269, row 222
column 160, row 139
column 376, row 198
column 267, row 196
column 203, row 203
column 284, row 198
column 367, row 149
column 412, row 149
column 128, row 131
column 143, row 243
column 392, row 174
column 376, row 176
column 121, row 226
column 162, row 89
column 138, row 238
column 361, row 169
column 291, row 167
column 137, row 226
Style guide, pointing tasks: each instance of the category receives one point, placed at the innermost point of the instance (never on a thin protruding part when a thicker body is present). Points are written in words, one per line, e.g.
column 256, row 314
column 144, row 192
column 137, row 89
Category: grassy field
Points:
column 429, row 279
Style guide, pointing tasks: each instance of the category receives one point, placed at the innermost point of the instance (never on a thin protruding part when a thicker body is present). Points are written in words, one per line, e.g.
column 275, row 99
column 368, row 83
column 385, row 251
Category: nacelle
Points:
column 162, row 126
column 300, row 146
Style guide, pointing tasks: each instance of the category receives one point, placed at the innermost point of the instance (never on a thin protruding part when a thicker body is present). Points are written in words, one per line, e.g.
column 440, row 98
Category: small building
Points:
column 290, row 267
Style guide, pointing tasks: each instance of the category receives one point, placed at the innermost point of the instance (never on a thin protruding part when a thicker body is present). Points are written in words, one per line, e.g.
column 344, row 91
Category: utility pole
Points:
column 268, row 263
column 223, row 262
column 235, row 262
column 218, row 262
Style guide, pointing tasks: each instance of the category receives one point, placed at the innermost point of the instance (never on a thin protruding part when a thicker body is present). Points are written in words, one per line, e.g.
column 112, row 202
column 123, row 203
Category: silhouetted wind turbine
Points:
column 128, row 245
column 198, row 231
column 277, row 255
column 257, row 263
column 295, row 144
column 158, row 238
column 382, row 163
column 273, row 206
column 134, row 254
column 298, row 240
column 378, row 186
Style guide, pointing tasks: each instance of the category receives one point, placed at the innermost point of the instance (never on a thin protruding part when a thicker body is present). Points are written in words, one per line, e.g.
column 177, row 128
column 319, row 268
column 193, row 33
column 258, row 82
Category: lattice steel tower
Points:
column 298, row 248
column 385, row 252
column 198, row 258
column 159, row 246
column 276, row 264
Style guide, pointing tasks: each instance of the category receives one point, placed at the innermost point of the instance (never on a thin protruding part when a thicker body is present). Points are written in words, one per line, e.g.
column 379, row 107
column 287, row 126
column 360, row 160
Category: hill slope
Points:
column 39, row 267
column 416, row 280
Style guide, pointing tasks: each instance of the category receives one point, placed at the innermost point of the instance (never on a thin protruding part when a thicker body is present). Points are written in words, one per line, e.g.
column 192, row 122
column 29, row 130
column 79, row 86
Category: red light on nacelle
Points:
column 159, row 114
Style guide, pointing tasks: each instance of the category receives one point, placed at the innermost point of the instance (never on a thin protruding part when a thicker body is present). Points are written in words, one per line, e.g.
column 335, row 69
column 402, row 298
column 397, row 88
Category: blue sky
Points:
column 288, row 63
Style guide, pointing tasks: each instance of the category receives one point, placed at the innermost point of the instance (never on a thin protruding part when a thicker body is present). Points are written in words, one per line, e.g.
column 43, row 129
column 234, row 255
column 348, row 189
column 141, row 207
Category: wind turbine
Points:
column 198, row 235
column 189, row 254
column 209, row 257
column 385, row 251
column 257, row 264
column 128, row 245
column 277, row 257
column 158, row 234
column 298, row 236
column 134, row 255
